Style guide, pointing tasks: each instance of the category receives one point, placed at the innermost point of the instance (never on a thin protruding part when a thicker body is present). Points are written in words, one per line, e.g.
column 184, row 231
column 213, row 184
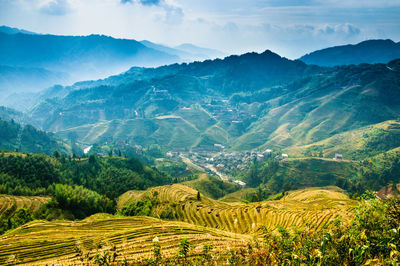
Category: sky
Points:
column 290, row 28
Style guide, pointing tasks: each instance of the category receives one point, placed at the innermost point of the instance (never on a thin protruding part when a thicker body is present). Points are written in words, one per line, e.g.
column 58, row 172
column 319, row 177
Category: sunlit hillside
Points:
column 312, row 208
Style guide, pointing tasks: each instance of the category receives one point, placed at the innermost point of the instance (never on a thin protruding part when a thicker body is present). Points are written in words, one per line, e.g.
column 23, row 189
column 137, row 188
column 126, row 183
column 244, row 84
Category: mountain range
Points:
column 252, row 101
column 244, row 102
column 30, row 62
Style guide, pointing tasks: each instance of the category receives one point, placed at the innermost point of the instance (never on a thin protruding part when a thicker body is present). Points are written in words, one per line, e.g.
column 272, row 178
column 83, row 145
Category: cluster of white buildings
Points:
column 223, row 162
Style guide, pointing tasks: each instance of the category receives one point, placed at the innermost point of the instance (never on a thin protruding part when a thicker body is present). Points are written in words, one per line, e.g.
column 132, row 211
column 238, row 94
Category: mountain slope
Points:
column 148, row 93
column 243, row 102
column 9, row 113
column 181, row 201
column 355, row 144
column 371, row 52
column 321, row 106
column 14, row 80
column 27, row 139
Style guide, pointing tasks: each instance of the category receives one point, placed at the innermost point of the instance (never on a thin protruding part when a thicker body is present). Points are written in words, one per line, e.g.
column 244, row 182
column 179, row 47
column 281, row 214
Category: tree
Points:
column 155, row 150
column 56, row 154
column 21, row 216
column 80, row 201
column 251, row 177
column 184, row 248
column 157, row 250
column 198, row 196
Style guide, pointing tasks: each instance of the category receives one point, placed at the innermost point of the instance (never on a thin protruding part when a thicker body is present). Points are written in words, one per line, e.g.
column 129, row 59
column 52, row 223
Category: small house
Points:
column 281, row 157
column 240, row 183
column 267, row 152
column 338, row 156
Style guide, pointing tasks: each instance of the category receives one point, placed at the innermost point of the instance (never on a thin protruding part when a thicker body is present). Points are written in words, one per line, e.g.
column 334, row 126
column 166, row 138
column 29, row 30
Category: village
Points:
column 216, row 161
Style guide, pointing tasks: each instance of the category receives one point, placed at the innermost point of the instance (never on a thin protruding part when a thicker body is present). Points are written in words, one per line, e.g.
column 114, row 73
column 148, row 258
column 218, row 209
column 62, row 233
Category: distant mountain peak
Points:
column 369, row 51
column 191, row 48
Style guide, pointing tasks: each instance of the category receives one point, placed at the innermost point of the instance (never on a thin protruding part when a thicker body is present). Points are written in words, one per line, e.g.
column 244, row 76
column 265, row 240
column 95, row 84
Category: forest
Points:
column 79, row 187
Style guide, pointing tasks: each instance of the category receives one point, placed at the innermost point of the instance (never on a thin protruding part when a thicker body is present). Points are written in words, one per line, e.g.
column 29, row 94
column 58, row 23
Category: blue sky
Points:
column 288, row 27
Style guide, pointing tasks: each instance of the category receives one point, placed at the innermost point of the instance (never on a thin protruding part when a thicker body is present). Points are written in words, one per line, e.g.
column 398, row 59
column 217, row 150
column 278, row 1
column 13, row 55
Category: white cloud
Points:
column 173, row 14
column 56, row 7
column 289, row 27
column 142, row 2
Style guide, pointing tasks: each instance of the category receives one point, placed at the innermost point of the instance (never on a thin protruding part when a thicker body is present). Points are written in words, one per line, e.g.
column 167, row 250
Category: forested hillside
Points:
column 356, row 177
column 15, row 137
column 79, row 186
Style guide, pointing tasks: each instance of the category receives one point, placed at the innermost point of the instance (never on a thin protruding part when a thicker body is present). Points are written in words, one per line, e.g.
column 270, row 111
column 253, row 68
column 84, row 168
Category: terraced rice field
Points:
column 58, row 242
column 312, row 208
column 316, row 194
column 224, row 225
column 30, row 203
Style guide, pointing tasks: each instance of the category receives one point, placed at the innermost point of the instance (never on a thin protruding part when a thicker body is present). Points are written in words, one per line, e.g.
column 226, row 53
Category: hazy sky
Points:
column 288, row 27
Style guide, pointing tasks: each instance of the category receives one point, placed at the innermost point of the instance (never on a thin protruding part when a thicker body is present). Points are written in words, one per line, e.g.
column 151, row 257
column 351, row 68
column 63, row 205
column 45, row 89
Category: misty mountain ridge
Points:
column 200, row 52
column 92, row 55
column 369, row 51
column 9, row 30
column 31, row 62
column 187, row 52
